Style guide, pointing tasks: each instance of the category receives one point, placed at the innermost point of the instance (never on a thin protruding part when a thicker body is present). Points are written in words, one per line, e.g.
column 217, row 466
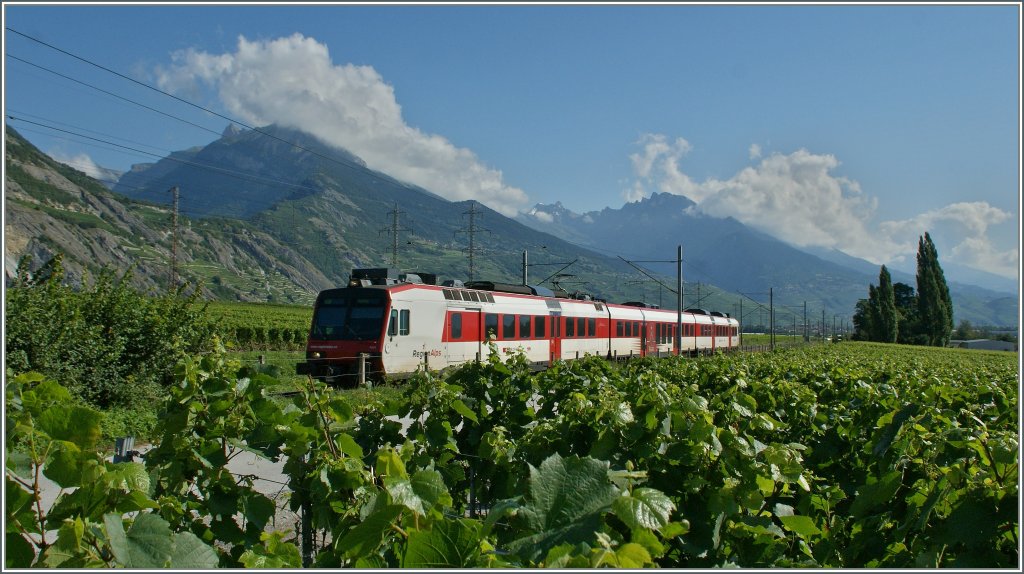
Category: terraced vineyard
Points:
column 844, row 455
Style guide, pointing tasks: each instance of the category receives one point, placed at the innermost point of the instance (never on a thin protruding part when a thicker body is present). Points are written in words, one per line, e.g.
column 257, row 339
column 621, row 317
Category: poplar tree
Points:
column 934, row 305
column 887, row 321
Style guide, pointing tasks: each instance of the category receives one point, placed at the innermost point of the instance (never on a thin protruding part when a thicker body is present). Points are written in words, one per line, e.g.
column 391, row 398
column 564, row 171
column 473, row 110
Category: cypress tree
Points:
column 874, row 321
column 934, row 305
column 888, row 322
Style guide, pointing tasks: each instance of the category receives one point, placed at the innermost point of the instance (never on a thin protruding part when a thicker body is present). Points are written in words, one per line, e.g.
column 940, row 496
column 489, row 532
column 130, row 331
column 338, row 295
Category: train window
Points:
column 456, row 330
column 592, row 327
column 508, row 327
column 570, row 327
column 538, row 327
column 618, row 329
column 490, row 297
column 393, row 323
column 447, row 293
column 524, row 326
column 491, row 325
column 581, row 327
column 403, row 322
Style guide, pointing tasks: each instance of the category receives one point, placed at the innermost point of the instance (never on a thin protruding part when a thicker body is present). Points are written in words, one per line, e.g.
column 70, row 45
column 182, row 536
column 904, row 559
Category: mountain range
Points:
column 275, row 215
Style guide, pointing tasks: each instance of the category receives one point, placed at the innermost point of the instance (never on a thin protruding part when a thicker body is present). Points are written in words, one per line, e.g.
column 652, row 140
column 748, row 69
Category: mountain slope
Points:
column 49, row 208
column 287, row 244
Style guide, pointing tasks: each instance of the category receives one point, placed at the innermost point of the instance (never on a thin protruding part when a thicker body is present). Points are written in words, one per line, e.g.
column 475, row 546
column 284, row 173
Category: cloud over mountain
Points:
column 798, row 198
column 293, row 82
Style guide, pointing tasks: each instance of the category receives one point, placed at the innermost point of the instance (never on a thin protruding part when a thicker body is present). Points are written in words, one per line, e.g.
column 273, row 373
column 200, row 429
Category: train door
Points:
column 650, row 342
column 463, row 335
column 402, row 353
column 556, row 338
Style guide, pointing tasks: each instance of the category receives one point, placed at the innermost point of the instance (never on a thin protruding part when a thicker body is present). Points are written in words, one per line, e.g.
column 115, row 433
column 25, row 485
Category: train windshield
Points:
column 349, row 316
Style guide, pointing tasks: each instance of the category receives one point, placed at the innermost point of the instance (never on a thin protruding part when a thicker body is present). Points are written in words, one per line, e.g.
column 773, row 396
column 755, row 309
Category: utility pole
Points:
column 174, row 238
column 525, row 265
column 394, row 231
column 679, row 299
column 805, row 322
column 771, row 316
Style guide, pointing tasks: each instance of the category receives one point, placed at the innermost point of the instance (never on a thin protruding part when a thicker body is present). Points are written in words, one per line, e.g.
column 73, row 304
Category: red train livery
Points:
column 405, row 322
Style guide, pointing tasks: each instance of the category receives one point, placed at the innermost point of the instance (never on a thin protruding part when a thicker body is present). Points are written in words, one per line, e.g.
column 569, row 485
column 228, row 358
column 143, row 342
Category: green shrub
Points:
column 122, row 422
column 110, row 345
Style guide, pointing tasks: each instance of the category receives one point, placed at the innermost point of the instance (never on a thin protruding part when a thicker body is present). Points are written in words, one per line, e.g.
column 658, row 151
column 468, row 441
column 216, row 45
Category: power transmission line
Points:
column 344, row 162
column 223, row 171
column 112, row 94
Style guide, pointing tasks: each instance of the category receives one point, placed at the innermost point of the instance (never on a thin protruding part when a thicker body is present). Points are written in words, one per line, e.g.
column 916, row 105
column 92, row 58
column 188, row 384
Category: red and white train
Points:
column 404, row 322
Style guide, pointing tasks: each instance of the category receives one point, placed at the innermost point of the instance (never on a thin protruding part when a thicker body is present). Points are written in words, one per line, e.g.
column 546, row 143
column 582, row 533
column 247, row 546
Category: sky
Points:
column 849, row 127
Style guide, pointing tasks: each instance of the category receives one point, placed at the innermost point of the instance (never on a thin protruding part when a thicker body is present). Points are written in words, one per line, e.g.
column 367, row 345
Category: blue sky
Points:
column 829, row 126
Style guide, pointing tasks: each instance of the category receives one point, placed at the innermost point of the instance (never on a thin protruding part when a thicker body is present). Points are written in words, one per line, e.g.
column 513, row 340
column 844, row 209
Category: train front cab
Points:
column 346, row 322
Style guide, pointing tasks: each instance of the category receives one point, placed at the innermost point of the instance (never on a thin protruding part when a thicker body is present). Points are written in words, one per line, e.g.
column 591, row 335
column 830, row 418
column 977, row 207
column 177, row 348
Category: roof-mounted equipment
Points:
column 373, row 276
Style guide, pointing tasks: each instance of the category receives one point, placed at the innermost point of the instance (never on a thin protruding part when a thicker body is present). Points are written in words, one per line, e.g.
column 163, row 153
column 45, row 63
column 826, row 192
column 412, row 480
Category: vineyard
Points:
column 262, row 325
column 828, row 456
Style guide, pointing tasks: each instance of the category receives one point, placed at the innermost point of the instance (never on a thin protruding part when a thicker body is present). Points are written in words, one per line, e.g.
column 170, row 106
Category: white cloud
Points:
column 293, row 82
column 799, row 199
column 82, row 162
column 964, row 226
column 658, row 165
column 542, row 216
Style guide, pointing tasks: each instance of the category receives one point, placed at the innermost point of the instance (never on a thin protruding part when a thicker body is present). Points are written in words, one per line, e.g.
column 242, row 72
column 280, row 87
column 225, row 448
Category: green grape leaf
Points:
column 423, row 491
column 566, row 499
column 18, row 552
column 64, row 465
column 349, row 446
column 368, row 534
column 147, row 544
column 632, row 555
column 644, row 508
column 80, row 425
column 447, row 544
column 461, row 408
column 191, row 553
column 800, row 524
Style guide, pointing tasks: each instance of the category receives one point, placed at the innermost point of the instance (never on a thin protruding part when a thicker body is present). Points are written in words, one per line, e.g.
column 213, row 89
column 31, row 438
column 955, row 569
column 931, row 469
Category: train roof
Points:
column 384, row 277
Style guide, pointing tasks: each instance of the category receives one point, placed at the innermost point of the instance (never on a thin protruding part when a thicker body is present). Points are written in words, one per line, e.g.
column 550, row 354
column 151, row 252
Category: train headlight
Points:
column 316, row 355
